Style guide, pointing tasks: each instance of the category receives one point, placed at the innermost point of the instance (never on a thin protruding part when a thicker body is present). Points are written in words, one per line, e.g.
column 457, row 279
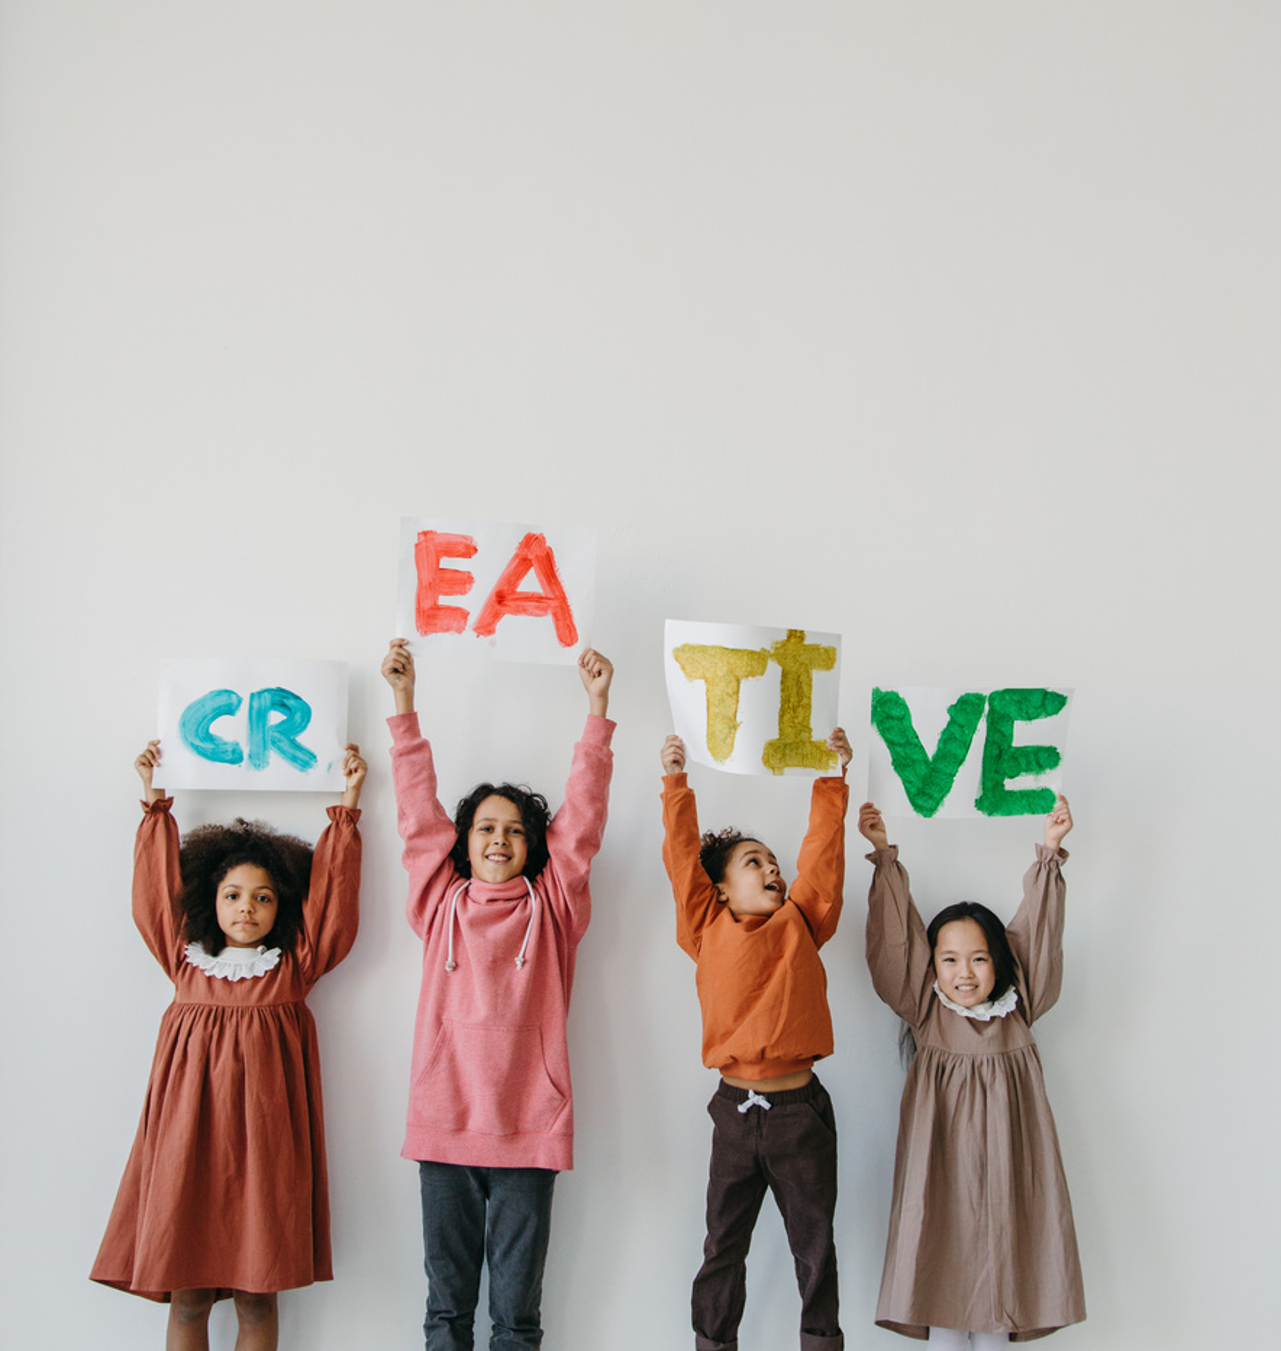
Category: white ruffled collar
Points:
column 991, row 1008
column 234, row 963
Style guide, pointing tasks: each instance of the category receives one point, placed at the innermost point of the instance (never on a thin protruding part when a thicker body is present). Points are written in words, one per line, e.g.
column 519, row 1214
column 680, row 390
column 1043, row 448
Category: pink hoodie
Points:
column 490, row 1084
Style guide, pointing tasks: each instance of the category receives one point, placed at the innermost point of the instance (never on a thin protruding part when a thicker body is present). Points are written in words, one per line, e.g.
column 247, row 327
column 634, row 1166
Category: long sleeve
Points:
column 819, row 890
column 696, row 903
column 898, row 952
column 1036, row 931
column 157, row 882
column 574, row 836
column 425, row 827
column 331, row 912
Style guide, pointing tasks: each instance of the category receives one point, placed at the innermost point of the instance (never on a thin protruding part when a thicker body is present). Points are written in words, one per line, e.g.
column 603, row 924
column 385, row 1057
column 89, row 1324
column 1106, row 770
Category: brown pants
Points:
column 788, row 1147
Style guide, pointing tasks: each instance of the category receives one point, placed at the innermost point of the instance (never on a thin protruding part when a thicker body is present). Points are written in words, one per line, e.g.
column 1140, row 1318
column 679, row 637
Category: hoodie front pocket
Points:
column 489, row 1080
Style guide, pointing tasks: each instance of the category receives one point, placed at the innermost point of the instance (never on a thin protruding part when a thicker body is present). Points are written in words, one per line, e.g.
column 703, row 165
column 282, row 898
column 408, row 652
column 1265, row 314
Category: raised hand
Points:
column 1058, row 823
column 673, row 755
column 596, row 672
column 840, row 743
column 354, row 769
column 145, row 765
column 398, row 672
column 871, row 827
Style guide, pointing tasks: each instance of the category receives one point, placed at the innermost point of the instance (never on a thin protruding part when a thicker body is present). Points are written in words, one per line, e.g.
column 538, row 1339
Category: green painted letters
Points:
column 1003, row 760
column 926, row 780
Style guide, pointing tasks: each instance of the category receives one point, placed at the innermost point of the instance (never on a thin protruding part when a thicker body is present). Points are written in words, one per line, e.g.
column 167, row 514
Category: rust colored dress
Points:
column 981, row 1235
column 225, row 1187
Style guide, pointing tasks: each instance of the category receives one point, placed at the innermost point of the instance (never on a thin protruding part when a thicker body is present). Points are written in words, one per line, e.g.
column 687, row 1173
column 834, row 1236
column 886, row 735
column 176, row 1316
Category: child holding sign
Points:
column 763, row 992
column 225, row 1192
column 981, row 1242
column 499, row 896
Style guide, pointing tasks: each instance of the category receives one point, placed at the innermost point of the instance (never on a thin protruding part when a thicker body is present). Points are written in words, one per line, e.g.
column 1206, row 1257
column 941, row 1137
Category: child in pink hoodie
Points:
column 499, row 896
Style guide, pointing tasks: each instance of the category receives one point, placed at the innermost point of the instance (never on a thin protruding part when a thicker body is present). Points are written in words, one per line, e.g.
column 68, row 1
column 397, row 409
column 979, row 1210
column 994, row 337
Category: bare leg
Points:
column 259, row 1322
column 188, row 1328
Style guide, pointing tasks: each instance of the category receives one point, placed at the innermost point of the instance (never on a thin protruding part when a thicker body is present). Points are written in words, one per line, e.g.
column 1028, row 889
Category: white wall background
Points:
column 952, row 328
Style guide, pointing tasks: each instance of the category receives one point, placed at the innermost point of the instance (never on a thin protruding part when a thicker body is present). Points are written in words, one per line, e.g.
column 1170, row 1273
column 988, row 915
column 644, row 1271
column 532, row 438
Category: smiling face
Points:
column 497, row 848
column 752, row 883
column 246, row 906
column 963, row 965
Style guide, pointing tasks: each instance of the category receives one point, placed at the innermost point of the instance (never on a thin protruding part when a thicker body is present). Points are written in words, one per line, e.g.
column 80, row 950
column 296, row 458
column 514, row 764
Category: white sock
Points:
column 989, row 1341
column 948, row 1339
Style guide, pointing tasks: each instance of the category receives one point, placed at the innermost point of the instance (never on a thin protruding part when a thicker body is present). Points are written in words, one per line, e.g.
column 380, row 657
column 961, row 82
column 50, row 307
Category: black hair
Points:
column 998, row 945
column 535, row 816
column 210, row 852
column 716, row 846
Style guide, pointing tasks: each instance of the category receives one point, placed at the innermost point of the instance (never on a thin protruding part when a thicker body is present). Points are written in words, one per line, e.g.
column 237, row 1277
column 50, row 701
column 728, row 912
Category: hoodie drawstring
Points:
column 450, row 963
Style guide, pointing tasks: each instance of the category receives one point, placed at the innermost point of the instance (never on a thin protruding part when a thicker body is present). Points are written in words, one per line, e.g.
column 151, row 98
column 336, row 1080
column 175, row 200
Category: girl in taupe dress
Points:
column 981, row 1247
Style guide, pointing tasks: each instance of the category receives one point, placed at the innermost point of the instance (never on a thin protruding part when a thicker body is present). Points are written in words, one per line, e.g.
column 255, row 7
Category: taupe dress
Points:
column 981, row 1235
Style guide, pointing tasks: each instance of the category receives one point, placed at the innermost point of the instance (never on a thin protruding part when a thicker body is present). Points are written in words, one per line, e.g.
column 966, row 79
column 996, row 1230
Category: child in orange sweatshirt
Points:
column 763, row 992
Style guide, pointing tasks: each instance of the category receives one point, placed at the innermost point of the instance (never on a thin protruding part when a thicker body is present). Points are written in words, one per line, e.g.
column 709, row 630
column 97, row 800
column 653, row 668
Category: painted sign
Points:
column 278, row 725
column 752, row 700
column 1012, row 767
column 500, row 592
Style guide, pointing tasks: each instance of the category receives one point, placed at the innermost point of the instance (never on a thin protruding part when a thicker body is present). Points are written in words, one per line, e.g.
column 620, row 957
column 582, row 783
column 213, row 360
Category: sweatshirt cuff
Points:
column 887, row 855
column 404, row 726
column 598, row 731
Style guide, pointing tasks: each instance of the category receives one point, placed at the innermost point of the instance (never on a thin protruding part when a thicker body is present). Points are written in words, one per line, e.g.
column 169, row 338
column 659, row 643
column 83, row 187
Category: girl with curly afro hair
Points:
column 225, row 1194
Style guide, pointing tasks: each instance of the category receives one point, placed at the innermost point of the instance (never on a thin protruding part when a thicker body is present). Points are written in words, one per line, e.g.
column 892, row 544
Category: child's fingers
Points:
column 399, row 661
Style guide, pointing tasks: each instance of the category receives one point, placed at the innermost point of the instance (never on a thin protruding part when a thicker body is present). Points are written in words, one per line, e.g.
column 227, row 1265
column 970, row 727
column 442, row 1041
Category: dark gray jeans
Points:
column 788, row 1148
column 473, row 1216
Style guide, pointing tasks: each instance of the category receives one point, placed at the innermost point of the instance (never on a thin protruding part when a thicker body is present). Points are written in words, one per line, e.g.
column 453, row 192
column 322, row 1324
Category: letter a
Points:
column 435, row 581
column 506, row 599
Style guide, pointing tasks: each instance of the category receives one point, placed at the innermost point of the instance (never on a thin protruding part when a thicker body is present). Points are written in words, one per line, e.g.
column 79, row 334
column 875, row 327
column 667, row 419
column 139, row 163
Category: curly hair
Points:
column 716, row 846
column 535, row 816
column 210, row 852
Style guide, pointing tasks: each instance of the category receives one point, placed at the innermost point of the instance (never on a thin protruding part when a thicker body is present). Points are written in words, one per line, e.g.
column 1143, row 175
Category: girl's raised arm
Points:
column 146, row 765
column 425, row 826
column 596, row 672
column 398, row 672
column 898, row 952
column 574, row 836
column 157, row 880
column 1036, row 931
column 331, row 911
column 355, row 769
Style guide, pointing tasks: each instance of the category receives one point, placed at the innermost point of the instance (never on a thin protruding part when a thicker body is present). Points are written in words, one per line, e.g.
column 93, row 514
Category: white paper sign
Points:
column 497, row 592
column 278, row 725
column 967, row 752
column 752, row 700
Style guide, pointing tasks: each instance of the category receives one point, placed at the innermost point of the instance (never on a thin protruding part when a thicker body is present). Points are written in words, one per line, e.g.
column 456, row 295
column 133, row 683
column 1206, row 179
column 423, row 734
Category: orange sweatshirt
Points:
column 761, row 981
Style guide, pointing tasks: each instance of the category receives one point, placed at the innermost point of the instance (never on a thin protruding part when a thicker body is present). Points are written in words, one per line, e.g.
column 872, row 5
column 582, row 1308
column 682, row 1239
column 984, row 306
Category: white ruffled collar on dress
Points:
column 234, row 963
column 991, row 1008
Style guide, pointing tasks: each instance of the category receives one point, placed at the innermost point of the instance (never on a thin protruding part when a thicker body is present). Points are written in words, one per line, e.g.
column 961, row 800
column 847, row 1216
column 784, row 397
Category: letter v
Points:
column 927, row 780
